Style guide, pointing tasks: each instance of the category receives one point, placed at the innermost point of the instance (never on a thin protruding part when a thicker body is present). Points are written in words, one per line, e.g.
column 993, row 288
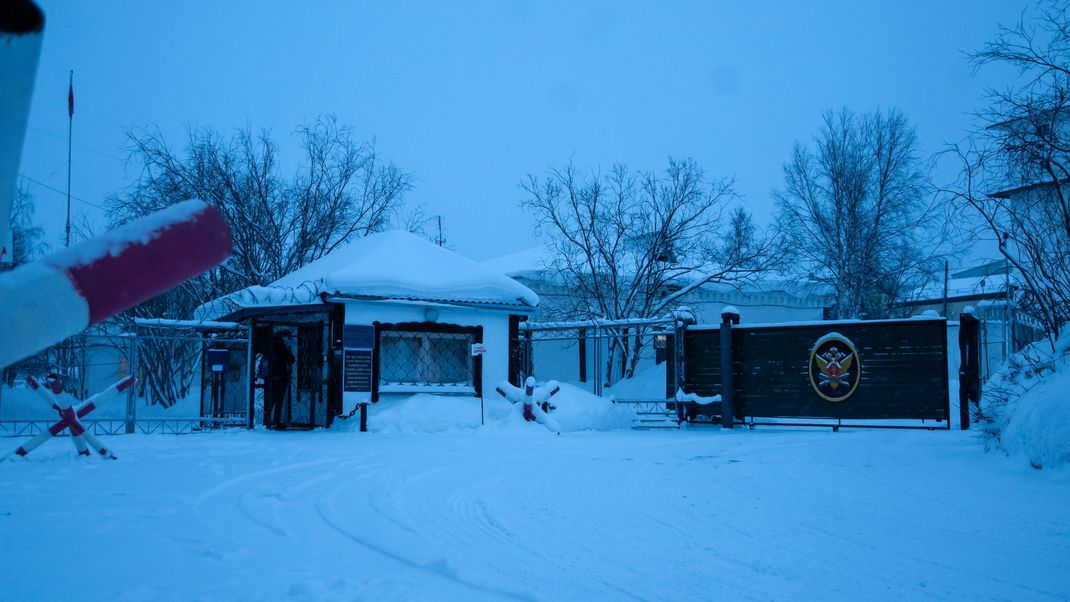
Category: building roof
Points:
column 986, row 280
column 1012, row 192
column 389, row 265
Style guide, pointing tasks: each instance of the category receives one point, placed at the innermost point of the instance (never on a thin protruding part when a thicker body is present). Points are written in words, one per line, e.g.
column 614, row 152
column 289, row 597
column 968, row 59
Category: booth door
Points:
column 309, row 393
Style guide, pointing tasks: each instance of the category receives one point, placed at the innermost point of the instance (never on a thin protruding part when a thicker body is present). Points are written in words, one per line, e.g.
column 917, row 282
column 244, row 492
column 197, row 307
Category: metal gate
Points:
column 625, row 360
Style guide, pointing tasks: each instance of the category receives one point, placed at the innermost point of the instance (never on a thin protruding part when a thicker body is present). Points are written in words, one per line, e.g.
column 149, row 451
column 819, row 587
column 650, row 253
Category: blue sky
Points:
column 471, row 96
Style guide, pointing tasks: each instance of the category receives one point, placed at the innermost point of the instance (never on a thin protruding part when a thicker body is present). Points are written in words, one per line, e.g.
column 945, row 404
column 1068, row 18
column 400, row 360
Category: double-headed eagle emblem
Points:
column 835, row 367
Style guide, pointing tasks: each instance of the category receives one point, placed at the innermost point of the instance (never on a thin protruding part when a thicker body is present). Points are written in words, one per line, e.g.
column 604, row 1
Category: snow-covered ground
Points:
column 515, row 512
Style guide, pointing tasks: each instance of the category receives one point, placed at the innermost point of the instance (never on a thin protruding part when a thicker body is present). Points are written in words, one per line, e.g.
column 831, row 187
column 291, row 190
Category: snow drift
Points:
column 1027, row 404
column 576, row 410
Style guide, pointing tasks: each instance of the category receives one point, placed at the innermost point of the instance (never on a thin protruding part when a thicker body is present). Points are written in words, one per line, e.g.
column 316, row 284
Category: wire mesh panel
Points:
column 84, row 364
column 169, row 395
column 435, row 360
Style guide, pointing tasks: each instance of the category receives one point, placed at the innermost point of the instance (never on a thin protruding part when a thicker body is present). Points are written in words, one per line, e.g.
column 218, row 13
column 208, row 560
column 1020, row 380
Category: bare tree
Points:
column 342, row 190
column 27, row 240
column 1015, row 169
column 855, row 210
column 27, row 243
column 633, row 244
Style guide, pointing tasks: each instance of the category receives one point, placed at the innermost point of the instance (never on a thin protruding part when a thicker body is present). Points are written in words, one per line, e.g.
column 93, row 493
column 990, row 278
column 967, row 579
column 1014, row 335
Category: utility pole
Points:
column 440, row 240
column 945, row 288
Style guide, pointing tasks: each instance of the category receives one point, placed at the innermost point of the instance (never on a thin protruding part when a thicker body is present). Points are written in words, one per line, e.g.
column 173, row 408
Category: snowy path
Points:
column 525, row 515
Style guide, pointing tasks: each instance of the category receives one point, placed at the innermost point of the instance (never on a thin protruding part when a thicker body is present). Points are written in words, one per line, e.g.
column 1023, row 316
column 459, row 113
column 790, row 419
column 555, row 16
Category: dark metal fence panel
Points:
column 900, row 365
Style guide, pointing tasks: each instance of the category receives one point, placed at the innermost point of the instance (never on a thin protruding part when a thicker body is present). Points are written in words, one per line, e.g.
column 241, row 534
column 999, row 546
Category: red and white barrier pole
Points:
column 44, row 302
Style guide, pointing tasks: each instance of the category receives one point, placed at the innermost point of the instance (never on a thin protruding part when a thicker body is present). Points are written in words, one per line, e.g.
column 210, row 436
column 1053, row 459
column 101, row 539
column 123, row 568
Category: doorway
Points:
column 293, row 373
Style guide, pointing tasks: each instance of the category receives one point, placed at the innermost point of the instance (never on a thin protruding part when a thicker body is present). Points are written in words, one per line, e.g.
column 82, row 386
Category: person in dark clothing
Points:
column 278, row 384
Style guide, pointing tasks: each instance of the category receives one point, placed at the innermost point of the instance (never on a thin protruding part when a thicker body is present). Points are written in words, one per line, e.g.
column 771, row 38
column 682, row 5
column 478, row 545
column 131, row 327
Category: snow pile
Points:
column 647, row 383
column 576, row 410
column 1028, row 403
column 426, row 413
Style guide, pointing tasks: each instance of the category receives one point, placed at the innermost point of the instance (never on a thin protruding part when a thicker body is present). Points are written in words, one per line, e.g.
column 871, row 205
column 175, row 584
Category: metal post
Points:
column 679, row 366
column 251, row 378
column 946, row 273
column 582, row 344
column 70, row 133
column 1009, row 310
column 529, row 351
column 364, row 417
column 131, row 407
column 969, row 368
column 598, row 368
column 729, row 316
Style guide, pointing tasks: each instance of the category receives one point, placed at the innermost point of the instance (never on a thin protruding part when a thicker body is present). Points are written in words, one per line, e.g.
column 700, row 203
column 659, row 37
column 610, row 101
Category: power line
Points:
column 81, row 146
column 63, row 192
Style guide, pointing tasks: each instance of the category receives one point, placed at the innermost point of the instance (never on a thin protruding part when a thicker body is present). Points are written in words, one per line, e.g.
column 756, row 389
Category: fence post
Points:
column 599, row 369
column 250, row 374
column 678, row 366
column 364, row 417
column 582, row 345
column 969, row 365
column 729, row 316
column 529, row 352
column 131, row 406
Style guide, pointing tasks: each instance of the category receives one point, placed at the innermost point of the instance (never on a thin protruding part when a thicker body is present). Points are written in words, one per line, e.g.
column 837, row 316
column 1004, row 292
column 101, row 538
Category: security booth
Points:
column 385, row 316
column 289, row 386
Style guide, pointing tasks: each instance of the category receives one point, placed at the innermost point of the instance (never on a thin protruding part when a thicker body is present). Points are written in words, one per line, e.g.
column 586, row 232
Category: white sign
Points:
column 478, row 349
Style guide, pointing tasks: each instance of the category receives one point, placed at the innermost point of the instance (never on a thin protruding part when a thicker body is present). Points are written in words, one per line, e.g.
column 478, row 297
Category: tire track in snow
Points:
column 214, row 492
column 326, row 511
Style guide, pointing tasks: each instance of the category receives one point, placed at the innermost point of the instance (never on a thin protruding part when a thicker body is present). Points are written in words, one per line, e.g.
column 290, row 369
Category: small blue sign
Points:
column 358, row 337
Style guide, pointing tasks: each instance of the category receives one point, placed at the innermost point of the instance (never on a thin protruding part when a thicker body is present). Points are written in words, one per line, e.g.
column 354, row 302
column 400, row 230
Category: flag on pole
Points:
column 70, row 97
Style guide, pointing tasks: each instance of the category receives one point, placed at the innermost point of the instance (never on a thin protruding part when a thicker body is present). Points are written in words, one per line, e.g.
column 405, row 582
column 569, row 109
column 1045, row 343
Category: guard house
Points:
column 388, row 314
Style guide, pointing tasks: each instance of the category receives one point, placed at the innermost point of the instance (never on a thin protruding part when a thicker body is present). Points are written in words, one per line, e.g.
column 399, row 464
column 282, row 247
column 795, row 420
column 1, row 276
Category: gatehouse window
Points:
column 425, row 361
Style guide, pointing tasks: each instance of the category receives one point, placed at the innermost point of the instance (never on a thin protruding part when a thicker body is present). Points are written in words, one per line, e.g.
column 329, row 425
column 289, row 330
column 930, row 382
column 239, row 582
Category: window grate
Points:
column 425, row 359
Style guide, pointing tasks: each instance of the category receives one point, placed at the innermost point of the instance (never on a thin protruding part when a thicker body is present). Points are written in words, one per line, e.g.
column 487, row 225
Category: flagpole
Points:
column 70, row 128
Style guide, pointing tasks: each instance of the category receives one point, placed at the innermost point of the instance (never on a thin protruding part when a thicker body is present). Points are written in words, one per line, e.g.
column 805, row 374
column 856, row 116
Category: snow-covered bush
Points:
column 1026, row 405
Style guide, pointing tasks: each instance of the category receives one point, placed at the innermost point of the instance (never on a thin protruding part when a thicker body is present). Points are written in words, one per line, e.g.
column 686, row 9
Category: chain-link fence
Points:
column 181, row 386
column 1003, row 333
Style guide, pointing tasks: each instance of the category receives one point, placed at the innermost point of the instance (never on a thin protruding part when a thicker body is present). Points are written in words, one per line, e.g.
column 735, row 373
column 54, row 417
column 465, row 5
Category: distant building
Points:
column 983, row 286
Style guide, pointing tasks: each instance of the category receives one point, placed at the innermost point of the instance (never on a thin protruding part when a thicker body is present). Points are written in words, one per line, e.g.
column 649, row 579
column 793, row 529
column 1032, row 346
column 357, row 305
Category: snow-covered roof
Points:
column 387, row 265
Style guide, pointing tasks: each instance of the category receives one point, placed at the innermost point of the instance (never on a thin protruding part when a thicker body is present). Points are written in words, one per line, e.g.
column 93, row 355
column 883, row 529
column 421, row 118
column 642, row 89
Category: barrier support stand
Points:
column 729, row 316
